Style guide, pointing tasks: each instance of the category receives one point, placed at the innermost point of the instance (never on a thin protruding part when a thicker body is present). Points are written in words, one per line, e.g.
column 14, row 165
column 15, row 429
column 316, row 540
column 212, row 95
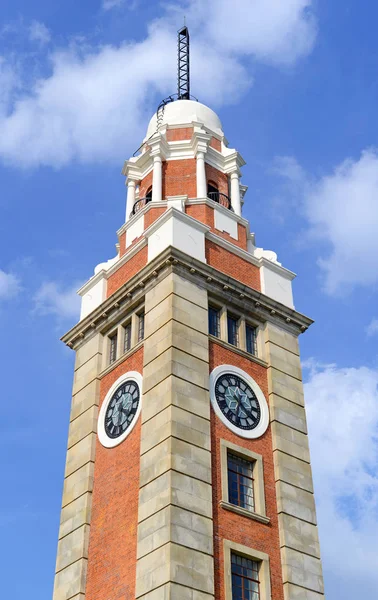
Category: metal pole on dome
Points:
column 183, row 90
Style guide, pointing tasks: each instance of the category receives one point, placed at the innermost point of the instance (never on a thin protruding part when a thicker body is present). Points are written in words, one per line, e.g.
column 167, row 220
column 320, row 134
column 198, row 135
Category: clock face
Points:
column 121, row 409
column 237, row 401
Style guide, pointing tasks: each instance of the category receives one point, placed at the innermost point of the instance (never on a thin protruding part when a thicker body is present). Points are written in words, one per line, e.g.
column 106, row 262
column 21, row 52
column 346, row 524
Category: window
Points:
column 246, row 573
column 212, row 192
column 149, row 194
column 250, row 333
column 127, row 338
column 245, row 578
column 240, row 482
column 214, row 321
column 140, row 327
column 232, row 330
column 242, row 479
column 113, row 349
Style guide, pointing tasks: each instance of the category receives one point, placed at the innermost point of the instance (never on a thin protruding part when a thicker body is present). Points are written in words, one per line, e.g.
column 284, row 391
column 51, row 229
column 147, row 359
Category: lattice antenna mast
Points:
column 183, row 91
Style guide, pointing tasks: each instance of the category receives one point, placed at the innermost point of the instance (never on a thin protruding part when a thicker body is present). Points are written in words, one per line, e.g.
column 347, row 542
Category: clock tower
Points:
column 188, row 471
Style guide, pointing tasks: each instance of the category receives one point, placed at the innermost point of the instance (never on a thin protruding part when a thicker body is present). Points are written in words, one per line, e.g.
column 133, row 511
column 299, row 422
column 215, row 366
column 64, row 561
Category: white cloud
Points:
column 55, row 299
column 273, row 31
column 109, row 4
column 342, row 213
column 95, row 103
column 9, row 285
column 38, row 32
column 372, row 328
column 342, row 410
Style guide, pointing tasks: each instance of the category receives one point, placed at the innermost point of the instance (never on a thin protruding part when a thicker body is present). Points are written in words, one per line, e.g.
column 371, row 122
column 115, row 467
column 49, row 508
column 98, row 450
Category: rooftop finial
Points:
column 183, row 91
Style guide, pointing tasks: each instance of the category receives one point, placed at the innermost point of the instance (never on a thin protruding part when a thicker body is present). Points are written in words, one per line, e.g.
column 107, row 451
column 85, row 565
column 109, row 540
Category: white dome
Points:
column 183, row 112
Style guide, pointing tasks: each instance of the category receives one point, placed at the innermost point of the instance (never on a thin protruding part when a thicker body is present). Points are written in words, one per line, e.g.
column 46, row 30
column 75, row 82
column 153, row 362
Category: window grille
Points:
column 113, row 349
column 141, row 327
column 245, row 578
column 127, row 338
column 232, row 330
column 214, row 321
column 240, row 482
column 251, row 339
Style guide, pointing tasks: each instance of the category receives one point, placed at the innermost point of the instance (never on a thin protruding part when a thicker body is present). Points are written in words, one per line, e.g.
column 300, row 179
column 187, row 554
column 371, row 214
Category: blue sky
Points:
column 296, row 87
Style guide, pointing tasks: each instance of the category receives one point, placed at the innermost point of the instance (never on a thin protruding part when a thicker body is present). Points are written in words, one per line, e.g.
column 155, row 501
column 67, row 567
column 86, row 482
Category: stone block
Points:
column 153, row 570
column 72, row 548
column 154, row 532
column 80, row 454
column 87, row 373
column 85, row 424
column 177, row 392
column 175, row 454
column 77, row 484
column 294, row 592
column 154, row 496
column 173, row 283
column 173, row 524
column 287, row 413
column 86, row 398
column 70, row 582
column 173, row 591
column 292, row 470
column 191, row 494
column 284, row 361
column 88, row 349
column 285, row 386
column 176, row 362
column 178, row 423
column 155, row 463
column 298, row 535
column 191, row 530
column 302, row 570
column 279, row 337
column 179, row 309
column 178, row 335
column 290, row 441
column 192, row 569
column 295, row 502
column 75, row 514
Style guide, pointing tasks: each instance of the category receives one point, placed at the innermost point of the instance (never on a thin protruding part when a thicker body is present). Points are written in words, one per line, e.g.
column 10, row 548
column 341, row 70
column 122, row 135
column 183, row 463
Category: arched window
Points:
column 149, row 194
column 212, row 192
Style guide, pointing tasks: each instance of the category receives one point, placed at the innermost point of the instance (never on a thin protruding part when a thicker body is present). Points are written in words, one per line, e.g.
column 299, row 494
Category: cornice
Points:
column 217, row 283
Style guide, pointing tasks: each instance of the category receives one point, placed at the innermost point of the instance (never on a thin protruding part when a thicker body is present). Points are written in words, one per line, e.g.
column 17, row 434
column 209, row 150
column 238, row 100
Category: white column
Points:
column 235, row 193
column 201, row 176
column 157, row 180
column 131, row 183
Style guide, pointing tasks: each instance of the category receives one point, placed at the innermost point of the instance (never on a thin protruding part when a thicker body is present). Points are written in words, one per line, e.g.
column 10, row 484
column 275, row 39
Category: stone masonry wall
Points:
column 300, row 553
column 175, row 527
column 72, row 555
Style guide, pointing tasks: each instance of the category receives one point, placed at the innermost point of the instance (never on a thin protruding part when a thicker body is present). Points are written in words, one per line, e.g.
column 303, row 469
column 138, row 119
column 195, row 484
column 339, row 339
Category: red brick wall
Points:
column 122, row 243
column 232, row 265
column 152, row 214
column 145, row 184
column 179, row 178
column 113, row 533
column 182, row 133
column 127, row 271
column 216, row 144
column 228, row 525
column 220, row 180
column 202, row 213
